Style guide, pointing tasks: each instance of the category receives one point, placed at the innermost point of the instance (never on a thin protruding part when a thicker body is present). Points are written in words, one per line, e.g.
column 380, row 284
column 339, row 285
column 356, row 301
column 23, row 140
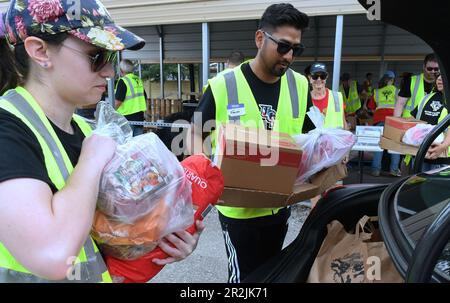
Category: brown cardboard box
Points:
column 242, row 155
column 322, row 181
column 401, row 148
column 395, row 127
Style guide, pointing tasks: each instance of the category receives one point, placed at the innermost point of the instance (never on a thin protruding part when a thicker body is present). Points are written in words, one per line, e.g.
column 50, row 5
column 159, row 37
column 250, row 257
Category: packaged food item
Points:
column 416, row 135
column 207, row 186
column 322, row 147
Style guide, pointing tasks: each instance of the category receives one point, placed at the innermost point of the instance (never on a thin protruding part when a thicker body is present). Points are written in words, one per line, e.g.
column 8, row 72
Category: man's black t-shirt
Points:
column 121, row 93
column 405, row 89
column 21, row 155
column 266, row 96
column 432, row 110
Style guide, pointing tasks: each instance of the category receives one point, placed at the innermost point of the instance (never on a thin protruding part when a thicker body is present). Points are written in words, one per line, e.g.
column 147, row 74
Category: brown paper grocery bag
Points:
column 353, row 258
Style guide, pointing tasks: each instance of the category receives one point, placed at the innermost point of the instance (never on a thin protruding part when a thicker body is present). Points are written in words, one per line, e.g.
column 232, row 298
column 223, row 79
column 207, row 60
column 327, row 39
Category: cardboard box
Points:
column 400, row 148
column 395, row 127
column 257, row 159
column 322, row 181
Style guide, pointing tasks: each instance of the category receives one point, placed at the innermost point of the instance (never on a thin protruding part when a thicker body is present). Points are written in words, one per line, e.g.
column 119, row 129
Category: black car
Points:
column 414, row 213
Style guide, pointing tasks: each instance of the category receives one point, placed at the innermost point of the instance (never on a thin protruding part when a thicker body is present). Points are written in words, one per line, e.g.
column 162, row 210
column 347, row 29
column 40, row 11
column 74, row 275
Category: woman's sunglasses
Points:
column 100, row 59
column 430, row 69
column 321, row 76
column 284, row 47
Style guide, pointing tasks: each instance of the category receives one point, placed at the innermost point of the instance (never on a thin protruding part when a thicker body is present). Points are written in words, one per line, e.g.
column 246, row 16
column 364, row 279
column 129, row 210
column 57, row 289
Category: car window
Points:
column 417, row 204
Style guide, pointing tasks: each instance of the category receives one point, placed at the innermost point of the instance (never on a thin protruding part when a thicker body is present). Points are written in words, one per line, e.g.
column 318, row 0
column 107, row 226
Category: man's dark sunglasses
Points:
column 321, row 76
column 436, row 69
column 100, row 59
column 284, row 47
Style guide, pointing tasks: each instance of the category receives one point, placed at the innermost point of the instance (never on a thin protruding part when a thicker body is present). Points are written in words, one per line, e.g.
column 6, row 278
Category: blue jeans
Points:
column 428, row 166
column 137, row 130
column 378, row 157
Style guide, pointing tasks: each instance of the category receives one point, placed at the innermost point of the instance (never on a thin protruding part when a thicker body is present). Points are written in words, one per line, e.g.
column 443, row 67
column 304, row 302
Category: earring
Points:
column 45, row 64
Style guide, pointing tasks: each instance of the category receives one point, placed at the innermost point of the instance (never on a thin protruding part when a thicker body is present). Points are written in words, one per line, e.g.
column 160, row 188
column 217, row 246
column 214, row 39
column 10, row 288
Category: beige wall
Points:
column 153, row 89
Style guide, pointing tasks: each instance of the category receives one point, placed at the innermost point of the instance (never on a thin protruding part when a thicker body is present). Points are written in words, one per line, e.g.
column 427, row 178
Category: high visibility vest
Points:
column 385, row 97
column 424, row 102
column 352, row 101
column 135, row 99
column 89, row 264
column 232, row 89
column 334, row 117
column 205, row 87
column 417, row 94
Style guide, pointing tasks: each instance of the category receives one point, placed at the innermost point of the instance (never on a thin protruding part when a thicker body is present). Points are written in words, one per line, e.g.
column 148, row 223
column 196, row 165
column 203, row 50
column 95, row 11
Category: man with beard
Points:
column 267, row 93
column 415, row 88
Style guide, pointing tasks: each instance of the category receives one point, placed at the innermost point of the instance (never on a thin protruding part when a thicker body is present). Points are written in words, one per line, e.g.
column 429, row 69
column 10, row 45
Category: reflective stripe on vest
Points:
column 230, row 82
column 89, row 267
column 417, row 93
column 333, row 115
column 424, row 102
column 232, row 89
column 134, row 101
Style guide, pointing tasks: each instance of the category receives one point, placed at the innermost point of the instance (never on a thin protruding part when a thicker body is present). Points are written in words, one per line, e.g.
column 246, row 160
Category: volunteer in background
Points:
column 367, row 89
column 265, row 89
column 350, row 90
column 433, row 108
column 131, row 98
column 50, row 168
column 236, row 58
column 383, row 102
column 329, row 103
column 415, row 88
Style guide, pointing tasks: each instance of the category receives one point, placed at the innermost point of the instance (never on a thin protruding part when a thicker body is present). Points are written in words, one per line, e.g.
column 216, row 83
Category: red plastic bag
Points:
column 207, row 187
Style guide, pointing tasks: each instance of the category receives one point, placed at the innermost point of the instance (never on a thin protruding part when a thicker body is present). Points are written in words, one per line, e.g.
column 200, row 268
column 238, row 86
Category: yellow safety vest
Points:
column 417, row 94
column 352, row 101
column 385, row 97
column 89, row 264
column 334, row 117
column 135, row 98
column 231, row 89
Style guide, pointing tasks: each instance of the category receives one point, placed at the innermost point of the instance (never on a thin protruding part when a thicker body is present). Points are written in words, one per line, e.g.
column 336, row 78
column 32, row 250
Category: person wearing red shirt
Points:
column 320, row 94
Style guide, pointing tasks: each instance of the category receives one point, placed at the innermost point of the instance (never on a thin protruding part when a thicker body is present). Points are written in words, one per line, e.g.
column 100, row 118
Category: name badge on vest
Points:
column 236, row 110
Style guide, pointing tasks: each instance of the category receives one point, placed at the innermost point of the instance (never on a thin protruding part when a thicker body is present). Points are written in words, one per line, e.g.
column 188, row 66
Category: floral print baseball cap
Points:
column 87, row 20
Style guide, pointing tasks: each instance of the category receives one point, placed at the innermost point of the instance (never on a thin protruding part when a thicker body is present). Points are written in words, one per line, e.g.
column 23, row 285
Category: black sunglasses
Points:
column 436, row 69
column 100, row 59
column 321, row 76
column 284, row 47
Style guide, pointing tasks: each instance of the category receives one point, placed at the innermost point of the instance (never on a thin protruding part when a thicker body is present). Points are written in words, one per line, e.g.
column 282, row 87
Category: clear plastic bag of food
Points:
column 415, row 135
column 143, row 192
column 129, row 241
column 322, row 148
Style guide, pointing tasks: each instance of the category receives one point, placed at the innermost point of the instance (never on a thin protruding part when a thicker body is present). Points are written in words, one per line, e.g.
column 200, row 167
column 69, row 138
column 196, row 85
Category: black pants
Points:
column 251, row 242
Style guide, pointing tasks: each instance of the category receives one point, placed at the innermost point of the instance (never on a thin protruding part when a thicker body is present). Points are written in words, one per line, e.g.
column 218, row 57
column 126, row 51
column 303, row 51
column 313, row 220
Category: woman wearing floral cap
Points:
column 55, row 58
